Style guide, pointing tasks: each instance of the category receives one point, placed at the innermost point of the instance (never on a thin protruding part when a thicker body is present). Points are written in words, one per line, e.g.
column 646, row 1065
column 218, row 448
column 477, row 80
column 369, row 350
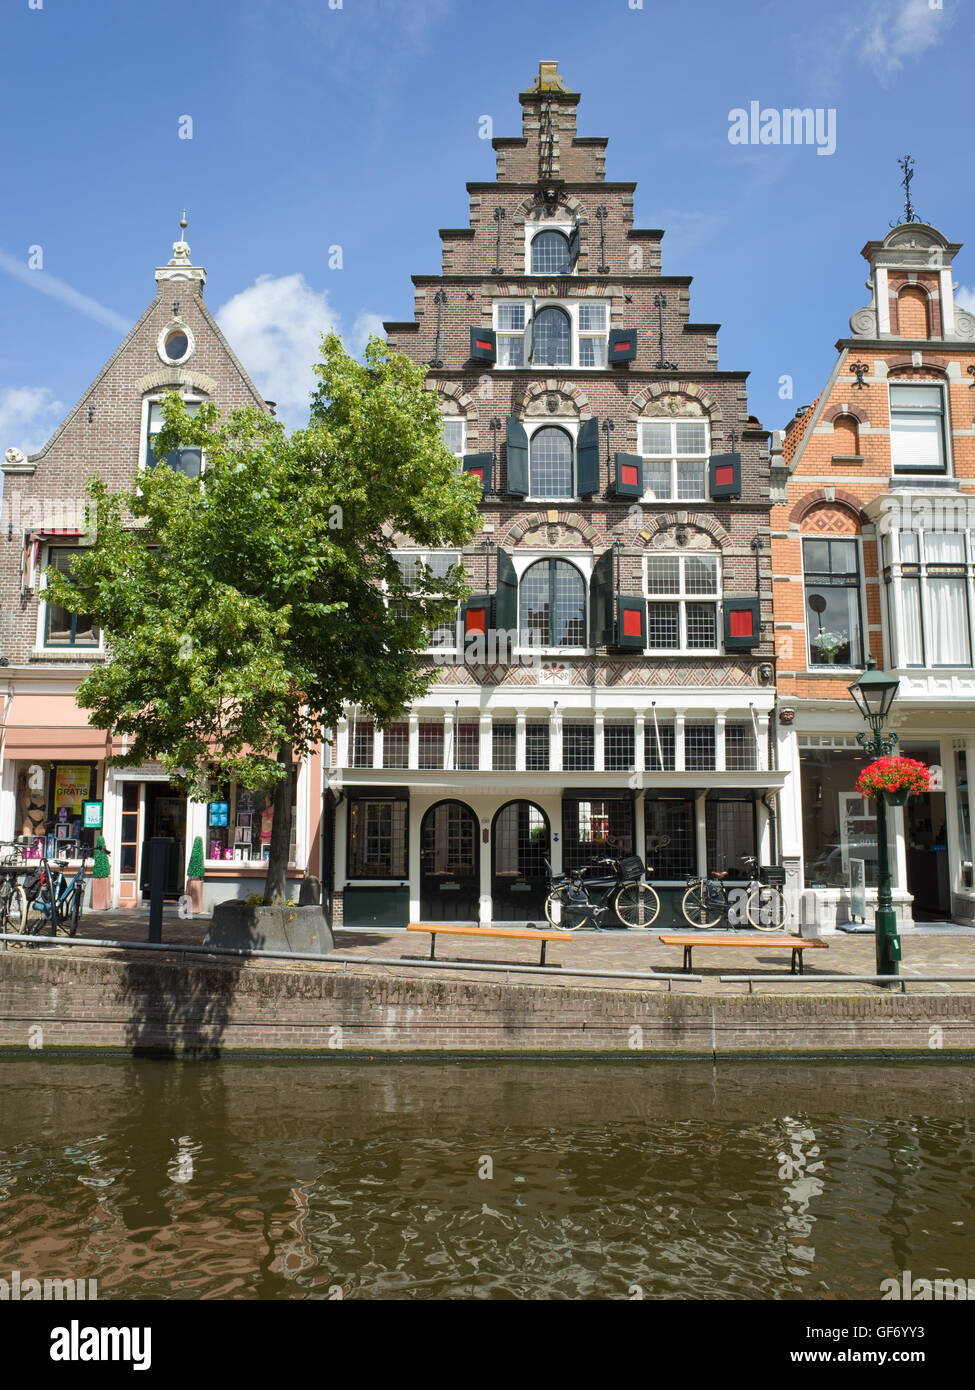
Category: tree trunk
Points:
column 276, row 884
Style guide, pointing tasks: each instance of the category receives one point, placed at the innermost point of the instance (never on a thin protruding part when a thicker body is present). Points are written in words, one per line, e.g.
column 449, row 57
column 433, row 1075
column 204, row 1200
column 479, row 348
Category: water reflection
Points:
column 517, row 1180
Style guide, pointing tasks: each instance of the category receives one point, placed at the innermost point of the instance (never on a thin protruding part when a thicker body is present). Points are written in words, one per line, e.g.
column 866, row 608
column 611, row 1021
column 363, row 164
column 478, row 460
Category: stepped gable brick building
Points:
column 873, row 551
column 51, row 761
column 612, row 677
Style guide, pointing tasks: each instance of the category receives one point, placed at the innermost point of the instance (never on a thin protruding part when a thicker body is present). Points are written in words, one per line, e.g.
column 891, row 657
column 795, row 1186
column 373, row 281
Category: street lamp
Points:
column 874, row 694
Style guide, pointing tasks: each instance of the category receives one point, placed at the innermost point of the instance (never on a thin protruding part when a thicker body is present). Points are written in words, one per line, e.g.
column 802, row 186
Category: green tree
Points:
column 244, row 609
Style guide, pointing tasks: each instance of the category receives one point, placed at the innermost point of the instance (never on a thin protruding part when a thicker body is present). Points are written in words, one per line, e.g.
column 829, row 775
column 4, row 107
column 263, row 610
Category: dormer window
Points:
column 550, row 254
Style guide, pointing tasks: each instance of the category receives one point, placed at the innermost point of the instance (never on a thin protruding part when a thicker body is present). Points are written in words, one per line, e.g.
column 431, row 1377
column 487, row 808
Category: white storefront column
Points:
column 485, row 746
column 112, row 826
column 342, row 740
column 449, row 734
column 378, row 743
column 599, row 743
column 639, row 745
column 679, row 741
column 413, row 860
column 413, row 758
column 761, row 752
column 719, row 749
column 555, row 742
column 521, row 723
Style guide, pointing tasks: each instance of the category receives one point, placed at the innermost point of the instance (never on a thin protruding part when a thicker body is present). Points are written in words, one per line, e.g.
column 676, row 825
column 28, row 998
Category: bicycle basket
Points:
column 772, row 875
column 631, row 867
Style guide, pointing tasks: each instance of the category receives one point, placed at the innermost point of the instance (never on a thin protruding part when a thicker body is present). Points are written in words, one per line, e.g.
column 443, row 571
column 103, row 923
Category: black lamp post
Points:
column 874, row 694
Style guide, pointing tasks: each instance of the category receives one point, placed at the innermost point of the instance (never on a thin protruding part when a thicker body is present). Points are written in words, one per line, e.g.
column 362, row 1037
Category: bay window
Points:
column 832, row 589
column 917, row 429
column 929, row 577
column 675, row 458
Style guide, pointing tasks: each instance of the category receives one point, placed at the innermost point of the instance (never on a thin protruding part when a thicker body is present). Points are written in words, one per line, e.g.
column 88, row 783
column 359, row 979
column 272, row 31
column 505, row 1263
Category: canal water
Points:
column 486, row 1180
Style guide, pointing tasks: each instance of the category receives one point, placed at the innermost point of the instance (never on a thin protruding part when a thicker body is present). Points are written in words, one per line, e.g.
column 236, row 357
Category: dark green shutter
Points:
column 587, row 458
column 628, row 481
column 742, row 623
column 724, row 475
column 506, row 599
column 631, row 622
column 529, row 336
column 574, row 241
column 517, row 461
column 484, row 345
column 622, row 346
column 601, row 601
column 480, row 465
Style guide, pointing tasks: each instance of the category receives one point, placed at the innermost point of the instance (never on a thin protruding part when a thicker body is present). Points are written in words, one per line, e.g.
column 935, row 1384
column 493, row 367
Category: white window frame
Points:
column 576, row 334
column 945, row 471
column 895, row 606
column 682, row 599
column 583, row 562
column 569, row 427
column 532, row 230
column 462, row 421
column 155, row 399
column 456, row 557
column 674, row 458
column 41, row 646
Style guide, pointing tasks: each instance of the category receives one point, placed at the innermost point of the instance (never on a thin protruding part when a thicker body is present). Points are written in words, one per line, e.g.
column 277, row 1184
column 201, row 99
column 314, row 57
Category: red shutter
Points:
column 741, row 622
column 632, row 623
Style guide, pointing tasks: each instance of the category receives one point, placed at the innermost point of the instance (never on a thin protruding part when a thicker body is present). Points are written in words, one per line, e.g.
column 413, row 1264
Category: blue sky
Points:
column 315, row 125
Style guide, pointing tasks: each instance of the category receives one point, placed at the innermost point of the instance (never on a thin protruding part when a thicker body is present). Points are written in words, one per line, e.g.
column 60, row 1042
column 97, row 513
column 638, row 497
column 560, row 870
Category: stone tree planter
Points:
column 256, row 928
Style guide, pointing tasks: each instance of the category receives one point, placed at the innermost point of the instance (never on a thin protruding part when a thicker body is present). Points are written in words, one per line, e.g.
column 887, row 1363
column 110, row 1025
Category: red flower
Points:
column 894, row 775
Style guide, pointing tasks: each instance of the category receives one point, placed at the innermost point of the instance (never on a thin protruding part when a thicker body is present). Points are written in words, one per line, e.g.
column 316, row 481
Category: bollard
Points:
column 158, row 864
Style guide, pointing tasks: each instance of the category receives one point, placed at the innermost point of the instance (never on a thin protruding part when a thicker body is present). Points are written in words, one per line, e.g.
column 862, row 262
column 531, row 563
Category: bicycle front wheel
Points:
column 766, row 909
column 637, row 904
column 698, row 911
column 14, row 918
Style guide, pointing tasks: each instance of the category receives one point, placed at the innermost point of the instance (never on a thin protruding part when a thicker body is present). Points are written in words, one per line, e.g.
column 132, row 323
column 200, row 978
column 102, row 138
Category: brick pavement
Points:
column 925, row 953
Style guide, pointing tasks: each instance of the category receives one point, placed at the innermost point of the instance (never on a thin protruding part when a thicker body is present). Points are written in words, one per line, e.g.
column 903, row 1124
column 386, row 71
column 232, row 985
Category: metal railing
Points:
column 345, row 960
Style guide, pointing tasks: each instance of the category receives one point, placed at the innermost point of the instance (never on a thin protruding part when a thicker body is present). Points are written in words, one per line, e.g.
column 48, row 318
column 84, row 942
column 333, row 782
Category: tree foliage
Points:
column 244, row 609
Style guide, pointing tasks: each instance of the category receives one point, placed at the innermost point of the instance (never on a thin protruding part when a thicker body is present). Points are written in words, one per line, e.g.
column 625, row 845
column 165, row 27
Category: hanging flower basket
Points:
column 896, row 778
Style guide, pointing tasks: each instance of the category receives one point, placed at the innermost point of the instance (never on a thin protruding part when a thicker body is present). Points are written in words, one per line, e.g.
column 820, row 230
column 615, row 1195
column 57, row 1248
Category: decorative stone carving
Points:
column 687, row 537
column 863, row 324
column 15, row 458
column 964, row 323
column 674, row 405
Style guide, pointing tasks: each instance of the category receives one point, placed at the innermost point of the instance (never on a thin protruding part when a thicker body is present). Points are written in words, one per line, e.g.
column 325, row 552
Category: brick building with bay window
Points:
column 612, row 676
column 873, row 547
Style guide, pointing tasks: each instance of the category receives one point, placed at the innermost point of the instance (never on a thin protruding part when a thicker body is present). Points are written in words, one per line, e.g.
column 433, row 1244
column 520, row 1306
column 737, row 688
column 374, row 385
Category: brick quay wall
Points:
column 134, row 1006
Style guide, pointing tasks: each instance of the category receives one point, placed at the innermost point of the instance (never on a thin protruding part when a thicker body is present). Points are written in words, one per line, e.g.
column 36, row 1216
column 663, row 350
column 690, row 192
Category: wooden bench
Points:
column 795, row 944
column 514, row 933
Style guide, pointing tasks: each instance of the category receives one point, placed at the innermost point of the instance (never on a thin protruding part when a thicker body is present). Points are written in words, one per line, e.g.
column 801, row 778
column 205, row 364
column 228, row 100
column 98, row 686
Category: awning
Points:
column 55, row 745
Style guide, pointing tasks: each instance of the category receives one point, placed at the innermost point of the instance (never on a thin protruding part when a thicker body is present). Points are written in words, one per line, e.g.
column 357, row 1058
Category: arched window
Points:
column 552, row 338
column 550, row 254
column 553, row 605
column 550, row 453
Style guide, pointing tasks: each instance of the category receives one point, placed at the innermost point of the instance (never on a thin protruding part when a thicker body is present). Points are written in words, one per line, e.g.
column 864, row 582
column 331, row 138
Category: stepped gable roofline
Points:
column 473, row 277
column 547, row 84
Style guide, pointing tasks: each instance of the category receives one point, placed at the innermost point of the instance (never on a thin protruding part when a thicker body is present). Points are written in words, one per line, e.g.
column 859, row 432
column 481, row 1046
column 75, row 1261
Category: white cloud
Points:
column 50, row 285
column 965, row 298
column 29, row 416
column 899, row 30
column 275, row 327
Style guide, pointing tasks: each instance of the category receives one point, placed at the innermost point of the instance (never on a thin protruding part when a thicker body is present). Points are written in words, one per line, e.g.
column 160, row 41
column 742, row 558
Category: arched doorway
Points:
column 520, row 840
column 449, row 871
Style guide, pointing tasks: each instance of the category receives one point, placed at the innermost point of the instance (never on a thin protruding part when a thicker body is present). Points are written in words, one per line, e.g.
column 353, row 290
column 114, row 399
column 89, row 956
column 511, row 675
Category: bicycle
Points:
column 621, row 885
column 59, row 900
column 706, row 903
column 13, row 899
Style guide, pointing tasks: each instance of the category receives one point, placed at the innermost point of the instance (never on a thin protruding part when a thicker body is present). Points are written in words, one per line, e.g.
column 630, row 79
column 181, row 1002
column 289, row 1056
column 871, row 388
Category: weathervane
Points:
column 907, row 164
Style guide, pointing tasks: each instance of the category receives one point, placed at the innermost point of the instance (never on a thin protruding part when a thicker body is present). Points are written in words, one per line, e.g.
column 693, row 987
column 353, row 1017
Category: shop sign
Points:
column 92, row 815
column 219, row 811
column 72, row 783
